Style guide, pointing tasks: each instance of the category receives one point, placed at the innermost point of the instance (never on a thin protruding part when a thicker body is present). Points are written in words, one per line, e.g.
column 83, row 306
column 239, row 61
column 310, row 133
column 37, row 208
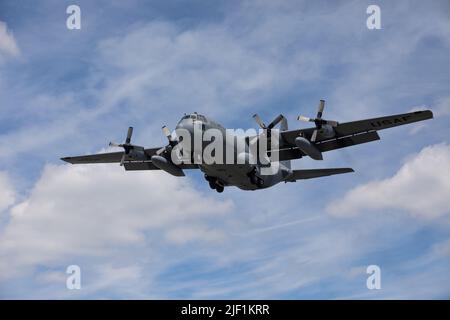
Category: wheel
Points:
column 260, row 183
column 219, row 189
column 254, row 179
column 212, row 184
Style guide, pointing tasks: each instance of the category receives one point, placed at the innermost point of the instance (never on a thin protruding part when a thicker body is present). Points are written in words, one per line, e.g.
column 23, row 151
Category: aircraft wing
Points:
column 109, row 157
column 317, row 173
column 116, row 157
column 375, row 124
column 348, row 133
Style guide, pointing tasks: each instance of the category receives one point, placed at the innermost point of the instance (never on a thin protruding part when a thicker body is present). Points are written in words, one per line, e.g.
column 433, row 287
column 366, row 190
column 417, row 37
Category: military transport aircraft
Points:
column 325, row 136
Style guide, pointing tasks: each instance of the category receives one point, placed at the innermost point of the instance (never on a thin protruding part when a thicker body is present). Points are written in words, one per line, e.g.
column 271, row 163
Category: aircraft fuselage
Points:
column 245, row 176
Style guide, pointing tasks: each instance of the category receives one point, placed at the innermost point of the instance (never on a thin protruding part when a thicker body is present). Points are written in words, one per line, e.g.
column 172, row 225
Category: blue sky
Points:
column 150, row 235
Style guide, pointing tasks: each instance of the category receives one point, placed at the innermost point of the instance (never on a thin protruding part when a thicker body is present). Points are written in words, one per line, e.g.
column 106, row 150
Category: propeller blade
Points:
column 259, row 121
column 167, row 132
column 275, row 121
column 129, row 134
column 320, row 109
column 332, row 123
column 314, row 136
column 306, row 119
column 252, row 141
column 160, row 151
column 122, row 160
column 113, row 144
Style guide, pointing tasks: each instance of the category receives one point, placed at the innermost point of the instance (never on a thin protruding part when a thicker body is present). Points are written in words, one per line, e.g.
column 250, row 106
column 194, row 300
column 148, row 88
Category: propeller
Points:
column 166, row 131
column 127, row 146
column 267, row 129
column 319, row 122
column 271, row 125
column 172, row 142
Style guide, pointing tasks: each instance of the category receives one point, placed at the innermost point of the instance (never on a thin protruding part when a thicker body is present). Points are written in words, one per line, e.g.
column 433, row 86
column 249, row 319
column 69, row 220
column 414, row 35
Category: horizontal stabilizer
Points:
column 316, row 173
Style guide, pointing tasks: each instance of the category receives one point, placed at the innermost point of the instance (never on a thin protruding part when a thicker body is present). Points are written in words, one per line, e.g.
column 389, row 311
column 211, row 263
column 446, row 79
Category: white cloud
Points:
column 442, row 107
column 441, row 249
column 159, row 70
column 126, row 230
column 182, row 234
column 421, row 187
column 8, row 45
column 62, row 218
column 209, row 69
column 7, row 193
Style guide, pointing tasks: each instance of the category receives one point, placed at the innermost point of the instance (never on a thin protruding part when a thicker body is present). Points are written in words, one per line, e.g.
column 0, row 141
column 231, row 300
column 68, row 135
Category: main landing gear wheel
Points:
column 219, row 189
column 257, row 181
column 260, row 183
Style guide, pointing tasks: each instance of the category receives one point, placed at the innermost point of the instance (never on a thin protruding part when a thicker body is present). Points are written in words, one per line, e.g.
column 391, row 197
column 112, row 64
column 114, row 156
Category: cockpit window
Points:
column 194, row 116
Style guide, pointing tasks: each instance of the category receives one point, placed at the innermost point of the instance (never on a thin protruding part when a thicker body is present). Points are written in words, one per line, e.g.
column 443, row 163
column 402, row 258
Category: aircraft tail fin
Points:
column 316, row 173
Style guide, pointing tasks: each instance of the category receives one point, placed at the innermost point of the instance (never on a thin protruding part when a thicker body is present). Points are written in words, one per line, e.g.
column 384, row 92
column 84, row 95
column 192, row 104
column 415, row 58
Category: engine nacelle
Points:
column 164, row 164
column 327, row 132
column 137, row 154
column 308, row 148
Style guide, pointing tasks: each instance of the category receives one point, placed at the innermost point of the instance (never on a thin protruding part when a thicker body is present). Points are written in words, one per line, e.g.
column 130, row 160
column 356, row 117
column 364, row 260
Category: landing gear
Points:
column 214, row 184
column 254, row 179
column 260, row 183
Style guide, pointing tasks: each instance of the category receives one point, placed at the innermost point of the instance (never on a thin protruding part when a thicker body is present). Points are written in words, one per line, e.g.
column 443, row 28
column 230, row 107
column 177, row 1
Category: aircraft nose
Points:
column 186, row 124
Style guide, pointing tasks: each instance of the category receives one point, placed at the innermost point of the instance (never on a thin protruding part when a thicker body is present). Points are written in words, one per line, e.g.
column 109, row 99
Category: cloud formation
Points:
column 60, row 218
column 8, row 45
column 131, row 232
column 421, row 187
column 7, row 192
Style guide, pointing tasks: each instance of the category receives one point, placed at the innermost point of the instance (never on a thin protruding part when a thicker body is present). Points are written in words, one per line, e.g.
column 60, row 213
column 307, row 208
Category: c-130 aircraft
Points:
column 249, row 170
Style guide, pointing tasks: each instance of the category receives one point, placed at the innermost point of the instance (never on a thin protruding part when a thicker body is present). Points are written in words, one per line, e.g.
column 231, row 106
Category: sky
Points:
column 149, row 235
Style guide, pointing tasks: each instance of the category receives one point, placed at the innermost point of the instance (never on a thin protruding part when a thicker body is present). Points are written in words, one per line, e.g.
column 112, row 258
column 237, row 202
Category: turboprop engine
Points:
column 137, row 154
column 308, row 148
column 324, row 130
column 131, row 151
column 166, row 165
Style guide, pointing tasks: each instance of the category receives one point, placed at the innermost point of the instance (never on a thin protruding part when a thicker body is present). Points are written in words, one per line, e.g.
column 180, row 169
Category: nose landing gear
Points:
column 214, row 183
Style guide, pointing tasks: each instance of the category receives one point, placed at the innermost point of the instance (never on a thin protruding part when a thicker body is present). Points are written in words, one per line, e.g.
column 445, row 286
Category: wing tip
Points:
column 67, row 159
column 345, row 170
column 427, row 112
